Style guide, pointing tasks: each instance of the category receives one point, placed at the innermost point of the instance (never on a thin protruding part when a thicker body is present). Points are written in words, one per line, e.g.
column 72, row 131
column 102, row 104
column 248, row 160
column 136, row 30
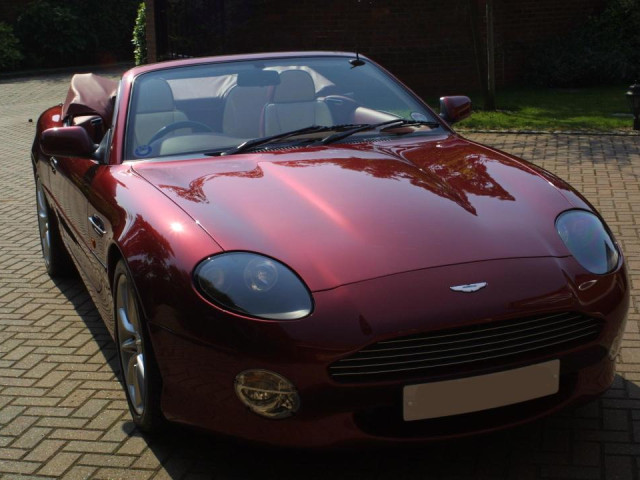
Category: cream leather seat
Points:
column 294, row 105
column 242, row 113
column 155, row 108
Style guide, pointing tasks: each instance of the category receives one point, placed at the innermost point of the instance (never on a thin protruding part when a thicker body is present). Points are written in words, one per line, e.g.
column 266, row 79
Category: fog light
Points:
column 267, row 393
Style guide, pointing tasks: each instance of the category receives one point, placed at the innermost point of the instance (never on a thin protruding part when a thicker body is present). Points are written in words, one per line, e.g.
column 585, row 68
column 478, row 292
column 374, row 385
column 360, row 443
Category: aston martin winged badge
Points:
column 469, row 288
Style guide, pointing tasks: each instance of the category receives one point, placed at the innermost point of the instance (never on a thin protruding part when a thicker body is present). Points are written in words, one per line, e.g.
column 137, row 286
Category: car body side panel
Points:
column 67, row 184
column 70, row 186
column 158, row 241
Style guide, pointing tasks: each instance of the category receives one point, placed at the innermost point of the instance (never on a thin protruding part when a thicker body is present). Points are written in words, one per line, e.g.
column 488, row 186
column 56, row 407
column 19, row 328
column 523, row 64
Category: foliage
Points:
column 10, row 54
column 50, row 33
column 605, row 49
column 139, row 36
column 533, row 108
column 67, row 33
column 111, row 23
column 194, row 28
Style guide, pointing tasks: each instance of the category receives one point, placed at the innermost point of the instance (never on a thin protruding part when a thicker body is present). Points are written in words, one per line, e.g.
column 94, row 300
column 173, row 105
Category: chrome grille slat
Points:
column 468, row 340
column 576, row 329
column 431, row 352
column 480, row 352
column 420, row 368
column 475, row 330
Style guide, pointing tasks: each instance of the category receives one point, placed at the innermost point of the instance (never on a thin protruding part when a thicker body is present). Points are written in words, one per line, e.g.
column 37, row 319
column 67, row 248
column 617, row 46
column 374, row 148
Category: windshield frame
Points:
column 397, row 87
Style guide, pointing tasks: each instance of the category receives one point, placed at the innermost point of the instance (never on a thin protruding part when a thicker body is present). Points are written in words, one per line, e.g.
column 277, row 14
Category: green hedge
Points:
column 140, row 36
column 10, row 55
column 51, row 33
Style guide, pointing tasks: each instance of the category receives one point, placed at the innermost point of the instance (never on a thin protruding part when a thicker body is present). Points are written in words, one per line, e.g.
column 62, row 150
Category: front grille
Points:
column 468, row 348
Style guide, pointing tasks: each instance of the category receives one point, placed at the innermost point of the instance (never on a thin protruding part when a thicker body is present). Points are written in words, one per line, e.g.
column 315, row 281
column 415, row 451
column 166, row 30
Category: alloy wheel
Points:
column 43, row 224
column 130, row 343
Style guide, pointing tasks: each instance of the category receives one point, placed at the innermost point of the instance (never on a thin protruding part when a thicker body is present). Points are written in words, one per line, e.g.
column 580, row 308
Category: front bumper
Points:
column 200, row 353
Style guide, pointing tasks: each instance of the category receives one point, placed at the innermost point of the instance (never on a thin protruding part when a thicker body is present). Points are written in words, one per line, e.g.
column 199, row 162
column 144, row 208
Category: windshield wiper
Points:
column 389, row 123
column 342, row 131
column 256, row 142
column 243, row 147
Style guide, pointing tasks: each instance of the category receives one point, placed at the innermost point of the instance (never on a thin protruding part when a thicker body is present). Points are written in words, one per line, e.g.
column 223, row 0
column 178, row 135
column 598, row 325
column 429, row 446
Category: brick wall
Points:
column 427, row 43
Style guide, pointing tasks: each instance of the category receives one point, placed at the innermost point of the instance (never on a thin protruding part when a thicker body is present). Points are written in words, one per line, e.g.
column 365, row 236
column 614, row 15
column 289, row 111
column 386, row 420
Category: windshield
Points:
column 220, row 106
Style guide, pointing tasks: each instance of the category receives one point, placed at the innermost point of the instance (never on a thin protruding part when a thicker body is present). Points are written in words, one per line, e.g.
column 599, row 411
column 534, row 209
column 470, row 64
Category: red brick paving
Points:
column 63, row 413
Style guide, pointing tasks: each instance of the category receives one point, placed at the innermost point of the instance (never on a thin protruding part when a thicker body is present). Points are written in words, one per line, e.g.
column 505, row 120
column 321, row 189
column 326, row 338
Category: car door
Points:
column 69, row 180
column 100, row 216
column 43, row 163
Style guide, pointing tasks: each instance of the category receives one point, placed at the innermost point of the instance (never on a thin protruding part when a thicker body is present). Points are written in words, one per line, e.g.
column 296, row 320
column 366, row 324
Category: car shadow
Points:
column 76, row 294
column 567, row 444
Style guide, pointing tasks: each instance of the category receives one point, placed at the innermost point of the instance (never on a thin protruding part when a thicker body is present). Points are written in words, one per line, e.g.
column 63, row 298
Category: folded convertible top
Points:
column 90, row 94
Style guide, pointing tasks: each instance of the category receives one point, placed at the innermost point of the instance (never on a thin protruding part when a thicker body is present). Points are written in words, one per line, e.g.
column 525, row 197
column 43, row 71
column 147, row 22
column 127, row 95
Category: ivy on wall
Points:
column 140, row 36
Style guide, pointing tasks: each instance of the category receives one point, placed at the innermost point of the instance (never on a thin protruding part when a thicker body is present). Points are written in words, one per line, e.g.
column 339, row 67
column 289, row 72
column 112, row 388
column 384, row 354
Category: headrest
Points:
column 295, row 86
column 155, row 95
column 258, row 78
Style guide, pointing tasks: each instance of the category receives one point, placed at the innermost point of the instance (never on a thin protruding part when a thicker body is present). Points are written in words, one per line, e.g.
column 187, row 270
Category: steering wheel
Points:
column 195, row 126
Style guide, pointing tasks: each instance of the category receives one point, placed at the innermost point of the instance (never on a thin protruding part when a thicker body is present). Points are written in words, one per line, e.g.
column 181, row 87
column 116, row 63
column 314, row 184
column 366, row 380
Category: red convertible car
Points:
column 294, row 249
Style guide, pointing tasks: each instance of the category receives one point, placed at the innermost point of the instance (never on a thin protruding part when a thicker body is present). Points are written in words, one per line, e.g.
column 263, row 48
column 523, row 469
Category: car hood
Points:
column 345, row 213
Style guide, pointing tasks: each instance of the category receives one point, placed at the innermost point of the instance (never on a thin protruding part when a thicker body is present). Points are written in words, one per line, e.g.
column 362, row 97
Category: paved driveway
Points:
column 63, row 414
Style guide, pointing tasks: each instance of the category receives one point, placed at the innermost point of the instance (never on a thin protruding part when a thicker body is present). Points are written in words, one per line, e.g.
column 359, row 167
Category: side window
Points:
column 106, row 144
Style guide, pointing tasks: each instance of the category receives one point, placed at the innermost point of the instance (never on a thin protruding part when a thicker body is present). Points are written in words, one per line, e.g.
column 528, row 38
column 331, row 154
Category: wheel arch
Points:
column 114, row 255
column 158, row 258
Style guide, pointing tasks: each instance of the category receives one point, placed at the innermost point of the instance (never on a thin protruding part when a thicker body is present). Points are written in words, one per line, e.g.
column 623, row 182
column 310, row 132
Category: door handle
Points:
column 53, row 163
column 97, row 224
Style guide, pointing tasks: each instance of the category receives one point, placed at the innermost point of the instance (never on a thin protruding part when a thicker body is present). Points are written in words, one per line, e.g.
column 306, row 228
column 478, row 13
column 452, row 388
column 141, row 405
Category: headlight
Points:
column 588, row 240
column 254, row 285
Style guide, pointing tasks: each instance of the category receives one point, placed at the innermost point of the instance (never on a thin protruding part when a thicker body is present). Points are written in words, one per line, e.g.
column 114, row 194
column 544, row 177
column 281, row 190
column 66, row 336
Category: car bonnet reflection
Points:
column 442, row 170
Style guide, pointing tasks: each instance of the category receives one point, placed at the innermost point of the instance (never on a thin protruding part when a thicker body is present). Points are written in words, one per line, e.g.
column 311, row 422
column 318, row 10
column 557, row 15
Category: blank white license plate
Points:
column 472, row 394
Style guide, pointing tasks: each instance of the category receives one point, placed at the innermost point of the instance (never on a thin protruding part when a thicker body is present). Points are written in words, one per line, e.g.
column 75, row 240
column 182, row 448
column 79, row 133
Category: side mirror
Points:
column 67, row 142
column 454, row 109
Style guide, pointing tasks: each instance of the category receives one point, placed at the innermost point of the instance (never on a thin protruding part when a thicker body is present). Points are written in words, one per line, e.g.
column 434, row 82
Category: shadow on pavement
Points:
column 77, row 295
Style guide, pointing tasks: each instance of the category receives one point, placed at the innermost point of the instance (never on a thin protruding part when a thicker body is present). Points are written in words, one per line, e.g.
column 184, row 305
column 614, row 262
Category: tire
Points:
column 56, row 258
column 140, row 375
